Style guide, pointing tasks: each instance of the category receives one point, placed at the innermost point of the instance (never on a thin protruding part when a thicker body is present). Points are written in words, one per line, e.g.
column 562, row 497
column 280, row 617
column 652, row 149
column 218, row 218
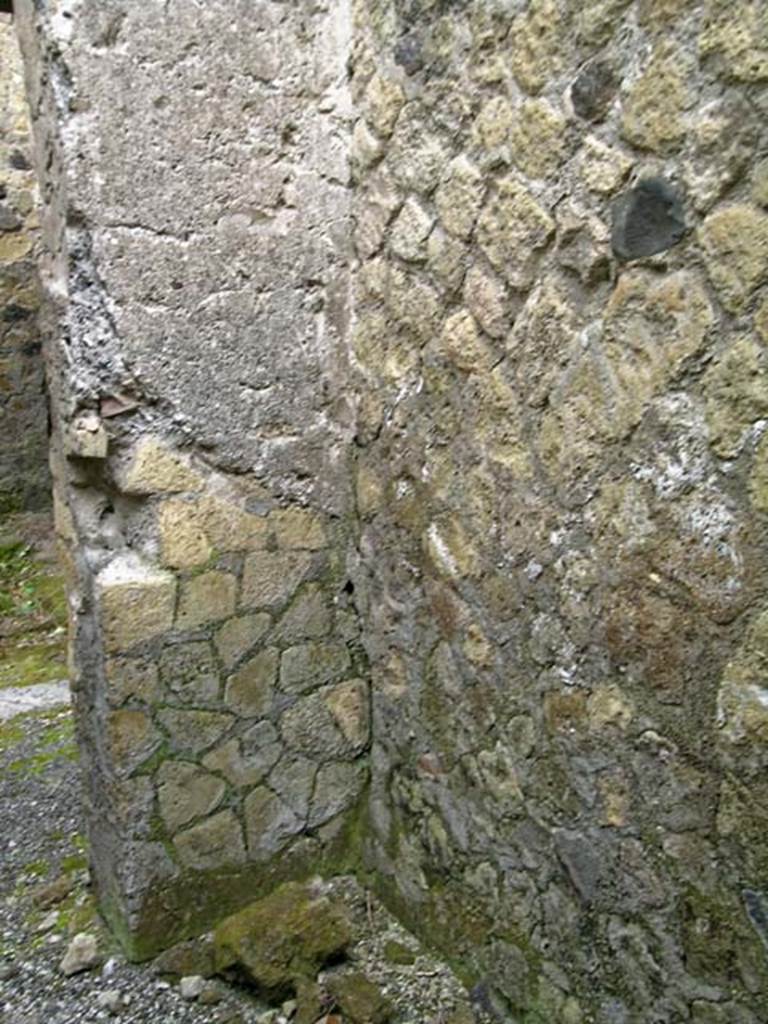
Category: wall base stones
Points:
column 410, row 463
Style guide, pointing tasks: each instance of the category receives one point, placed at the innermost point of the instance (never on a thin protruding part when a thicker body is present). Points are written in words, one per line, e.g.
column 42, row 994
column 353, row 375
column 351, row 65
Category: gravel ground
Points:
column 15, row 700
column 45, row 899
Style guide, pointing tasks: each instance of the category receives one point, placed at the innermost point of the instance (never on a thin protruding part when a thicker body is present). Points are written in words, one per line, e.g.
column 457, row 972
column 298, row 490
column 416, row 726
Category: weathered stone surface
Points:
column 494, row 122
column 760, row 183
column 338, row 788
column 487, row 300
column 360, row 999
column 737, row 38
column 214, row 843
column 298, row 528
column 191, row 531
column 136, row 602
column 131, row 739
column 249, row 691
column 537, row 52
column 246, row 763
column 183, row 539
column 734, row 240
column 86, row 437
column 417, row 157
column 736, row 390
column 307, row 666
column 185, row 793
column 724, row 139
column 593, row 90
column 239, row 635
column 190, row 673
column 758, row 479
column 459, row 197
column 308, row 617
column 270, row 578
column 511, row 230
column 538, row 139
column 603, row 168
column 647, row 219
column 153, row 468
column 384, row 99
column 410, row 231
column 209, row 597
column 349, row 705
column 742, row 703
column 191, row 732
column 461, row 343
column 283, row 938
column 24, row 477
column 293, row 780
column 270, row 823
column 131, row 677
column 653, row 111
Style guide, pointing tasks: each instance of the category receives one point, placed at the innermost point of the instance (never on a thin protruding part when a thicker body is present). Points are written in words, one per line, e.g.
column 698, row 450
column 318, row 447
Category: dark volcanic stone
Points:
column 18, row 161
column 593, row 90
column 9, row 219
column 647, row 219
column 408, row 54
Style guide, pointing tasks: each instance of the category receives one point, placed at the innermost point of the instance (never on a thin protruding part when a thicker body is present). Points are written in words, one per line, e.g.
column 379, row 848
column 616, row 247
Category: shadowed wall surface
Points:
column 24, row 478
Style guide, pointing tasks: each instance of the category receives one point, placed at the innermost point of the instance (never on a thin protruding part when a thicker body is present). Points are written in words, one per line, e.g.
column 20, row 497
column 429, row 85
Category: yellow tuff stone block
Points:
column 136, row 602
column 209, row 597
column 298, row 528
column 734, row 241
column 154, row 469
column 653, row 112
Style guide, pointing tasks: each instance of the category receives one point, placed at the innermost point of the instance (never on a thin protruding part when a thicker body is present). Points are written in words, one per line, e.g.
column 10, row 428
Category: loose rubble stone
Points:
column 191, row 987
column 110, row 1000
column 360, row 999
column 82, row 955
column 283, row 938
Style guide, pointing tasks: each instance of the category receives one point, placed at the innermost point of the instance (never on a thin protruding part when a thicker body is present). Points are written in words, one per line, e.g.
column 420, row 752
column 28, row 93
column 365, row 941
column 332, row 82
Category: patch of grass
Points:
column 36, row 868
column 33, row 616
column 55, row 743
column 27, row 664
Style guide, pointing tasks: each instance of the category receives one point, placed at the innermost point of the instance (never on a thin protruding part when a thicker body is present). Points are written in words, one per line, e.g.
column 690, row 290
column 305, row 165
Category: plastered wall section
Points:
column 561, row 486
column 24, row 478
column 193, row 162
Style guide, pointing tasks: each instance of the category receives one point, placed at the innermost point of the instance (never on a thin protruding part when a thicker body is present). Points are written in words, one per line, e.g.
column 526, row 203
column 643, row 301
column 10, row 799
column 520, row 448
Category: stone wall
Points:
column 561, row 487
column 194, row 162
column 485, row 412
column 24, row 479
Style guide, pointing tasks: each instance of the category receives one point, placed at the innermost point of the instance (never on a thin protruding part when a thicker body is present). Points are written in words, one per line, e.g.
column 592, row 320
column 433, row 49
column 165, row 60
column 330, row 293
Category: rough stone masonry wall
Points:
column 541, row 478
column 24, row 478
column 562, row 492
column 193, row 162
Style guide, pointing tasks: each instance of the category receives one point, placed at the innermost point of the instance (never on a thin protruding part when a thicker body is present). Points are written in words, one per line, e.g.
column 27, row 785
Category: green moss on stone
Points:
column 287, row 936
